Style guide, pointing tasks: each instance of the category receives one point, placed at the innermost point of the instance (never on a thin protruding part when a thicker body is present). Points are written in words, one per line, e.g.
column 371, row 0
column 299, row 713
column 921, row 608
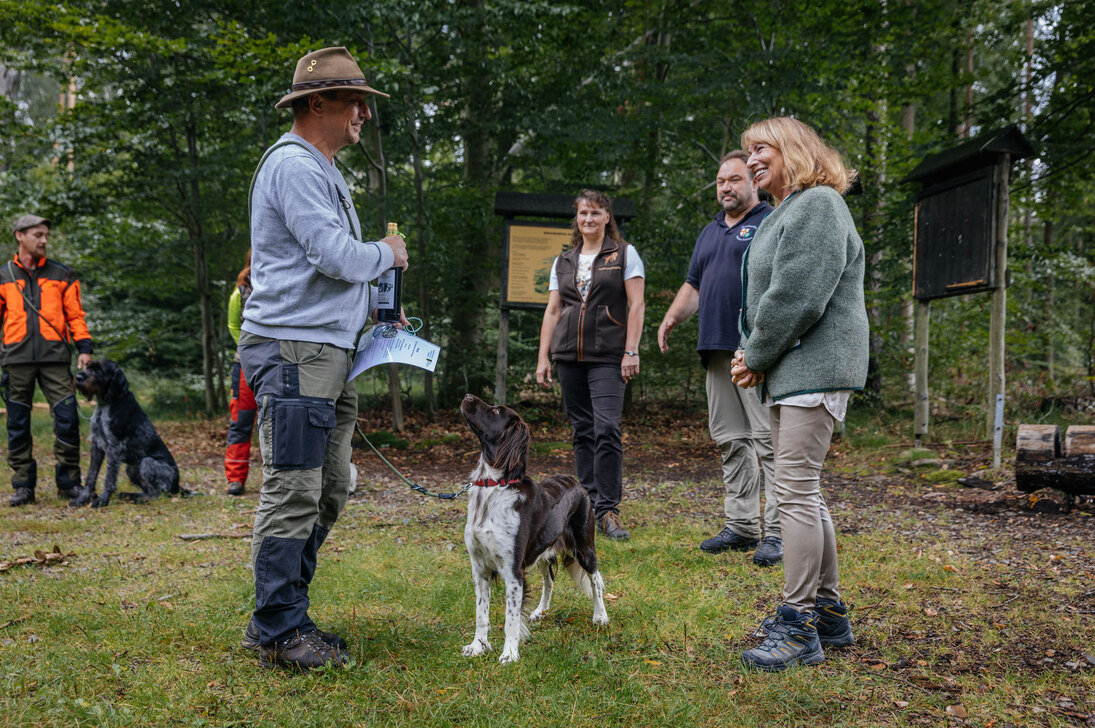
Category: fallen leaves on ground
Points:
column 56, row 556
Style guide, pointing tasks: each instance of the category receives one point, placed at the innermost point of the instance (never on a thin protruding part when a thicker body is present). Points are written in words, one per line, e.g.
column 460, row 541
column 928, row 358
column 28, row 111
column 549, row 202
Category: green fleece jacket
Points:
column 803, row 319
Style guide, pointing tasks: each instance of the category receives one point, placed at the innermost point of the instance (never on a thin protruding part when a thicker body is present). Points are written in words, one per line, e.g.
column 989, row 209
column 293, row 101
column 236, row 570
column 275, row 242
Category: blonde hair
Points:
column 807, row 160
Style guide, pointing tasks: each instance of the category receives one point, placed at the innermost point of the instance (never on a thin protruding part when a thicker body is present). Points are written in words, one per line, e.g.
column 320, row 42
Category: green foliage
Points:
column 173, row 106
column 383, row 438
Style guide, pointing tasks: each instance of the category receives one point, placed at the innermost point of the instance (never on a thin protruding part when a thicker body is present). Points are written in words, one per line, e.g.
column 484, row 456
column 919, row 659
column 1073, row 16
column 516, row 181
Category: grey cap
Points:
column 29, row 221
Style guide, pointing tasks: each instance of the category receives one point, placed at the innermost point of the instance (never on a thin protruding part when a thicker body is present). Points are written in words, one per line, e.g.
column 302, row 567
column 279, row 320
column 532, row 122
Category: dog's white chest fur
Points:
column 490, row 531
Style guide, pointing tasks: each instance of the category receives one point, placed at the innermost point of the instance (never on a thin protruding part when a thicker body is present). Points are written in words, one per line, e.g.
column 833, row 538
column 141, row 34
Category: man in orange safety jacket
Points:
column 41, row 313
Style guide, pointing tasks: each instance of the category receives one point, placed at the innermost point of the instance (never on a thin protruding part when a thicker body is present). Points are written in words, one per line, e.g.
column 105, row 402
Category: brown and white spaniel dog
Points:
column 515, row 523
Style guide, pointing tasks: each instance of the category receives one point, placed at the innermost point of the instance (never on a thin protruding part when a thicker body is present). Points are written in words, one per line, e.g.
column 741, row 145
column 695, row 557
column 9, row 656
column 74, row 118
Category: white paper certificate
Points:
column 383, row 344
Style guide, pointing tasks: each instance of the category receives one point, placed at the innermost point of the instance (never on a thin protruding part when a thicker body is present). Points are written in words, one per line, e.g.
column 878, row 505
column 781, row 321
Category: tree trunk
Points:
column 196, row 224
column 422, row 236
column 908, row 307
column 874, row 147
column 378, row 181
column 875, row 156
column 467, row 371
column 9, row 88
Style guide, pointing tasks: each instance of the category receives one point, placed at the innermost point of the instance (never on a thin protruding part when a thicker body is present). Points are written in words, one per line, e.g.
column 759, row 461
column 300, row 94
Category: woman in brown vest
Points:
column 591, row 330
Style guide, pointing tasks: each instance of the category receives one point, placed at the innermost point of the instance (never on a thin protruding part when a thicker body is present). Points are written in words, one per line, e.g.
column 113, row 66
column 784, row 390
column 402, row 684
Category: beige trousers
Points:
column 738, row 423
column 800, row 438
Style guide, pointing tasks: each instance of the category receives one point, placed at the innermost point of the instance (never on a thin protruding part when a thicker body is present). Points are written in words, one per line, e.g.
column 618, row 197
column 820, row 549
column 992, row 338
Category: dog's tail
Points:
column 579, row 575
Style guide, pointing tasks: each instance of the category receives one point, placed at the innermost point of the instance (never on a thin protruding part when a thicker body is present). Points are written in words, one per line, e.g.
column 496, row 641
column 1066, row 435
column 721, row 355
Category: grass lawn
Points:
column 969, row 608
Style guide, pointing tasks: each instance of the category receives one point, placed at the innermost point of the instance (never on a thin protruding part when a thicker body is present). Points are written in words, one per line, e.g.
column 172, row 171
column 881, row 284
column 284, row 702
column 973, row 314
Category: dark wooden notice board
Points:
column 955, row 240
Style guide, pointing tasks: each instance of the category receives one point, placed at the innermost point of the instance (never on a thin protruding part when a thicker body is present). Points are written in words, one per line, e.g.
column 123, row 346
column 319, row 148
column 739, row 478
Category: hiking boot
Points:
column 235, row 489
column 791, row 640
column 22, row 497
column 770, row 551
column 67, row 493
column 611, row 526
column 727, row 539
column 250, row 639
column 301, row 652
column 833, row 627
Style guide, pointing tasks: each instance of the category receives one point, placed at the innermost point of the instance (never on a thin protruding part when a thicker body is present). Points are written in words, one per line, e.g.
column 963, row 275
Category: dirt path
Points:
column 663, row 447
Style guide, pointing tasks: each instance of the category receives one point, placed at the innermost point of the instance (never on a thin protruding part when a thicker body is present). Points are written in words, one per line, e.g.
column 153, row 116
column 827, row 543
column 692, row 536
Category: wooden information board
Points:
column 529, row 249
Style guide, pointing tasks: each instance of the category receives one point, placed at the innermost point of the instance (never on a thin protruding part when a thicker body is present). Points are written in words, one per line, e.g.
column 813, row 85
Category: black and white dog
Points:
column 515, row 523
column 122, row 432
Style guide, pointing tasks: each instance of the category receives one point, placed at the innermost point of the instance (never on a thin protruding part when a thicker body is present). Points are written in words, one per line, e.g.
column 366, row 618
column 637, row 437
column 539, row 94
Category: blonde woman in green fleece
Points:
column 804, row 343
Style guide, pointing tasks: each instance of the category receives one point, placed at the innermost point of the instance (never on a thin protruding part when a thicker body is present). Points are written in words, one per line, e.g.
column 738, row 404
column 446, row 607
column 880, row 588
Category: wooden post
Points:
column 922, row 408
column 998, row 316
column 502, row 363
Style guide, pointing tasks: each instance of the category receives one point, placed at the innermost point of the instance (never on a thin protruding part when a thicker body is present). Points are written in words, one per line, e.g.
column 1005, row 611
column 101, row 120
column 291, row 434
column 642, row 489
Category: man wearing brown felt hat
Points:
column 311, row 267
column 328, row 69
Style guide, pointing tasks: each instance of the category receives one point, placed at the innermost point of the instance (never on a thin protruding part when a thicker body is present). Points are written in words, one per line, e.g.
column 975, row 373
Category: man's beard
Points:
column 736, row 208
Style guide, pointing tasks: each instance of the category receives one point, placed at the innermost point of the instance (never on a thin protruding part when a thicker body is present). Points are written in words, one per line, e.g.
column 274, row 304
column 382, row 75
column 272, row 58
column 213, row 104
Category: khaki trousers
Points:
column 800, row 437
column 738, row 423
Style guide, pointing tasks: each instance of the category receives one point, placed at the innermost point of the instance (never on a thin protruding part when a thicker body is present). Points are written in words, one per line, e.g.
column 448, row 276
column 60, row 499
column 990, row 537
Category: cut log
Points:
column 1037, row 444
column 1080, row 440
column 1040, row 463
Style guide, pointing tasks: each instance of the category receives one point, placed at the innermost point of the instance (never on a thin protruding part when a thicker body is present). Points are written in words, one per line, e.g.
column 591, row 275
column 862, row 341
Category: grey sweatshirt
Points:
column 310, row 269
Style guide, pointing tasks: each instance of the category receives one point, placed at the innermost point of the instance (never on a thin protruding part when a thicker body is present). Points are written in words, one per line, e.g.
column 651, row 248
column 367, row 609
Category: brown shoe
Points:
column 611, row 527
column 250, row 639
column 22, row 497
column 235, row 489
column 301, row 652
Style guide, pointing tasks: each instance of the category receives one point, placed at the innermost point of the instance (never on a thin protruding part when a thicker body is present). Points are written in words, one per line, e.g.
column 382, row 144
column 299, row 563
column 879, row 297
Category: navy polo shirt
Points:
column 716, row 271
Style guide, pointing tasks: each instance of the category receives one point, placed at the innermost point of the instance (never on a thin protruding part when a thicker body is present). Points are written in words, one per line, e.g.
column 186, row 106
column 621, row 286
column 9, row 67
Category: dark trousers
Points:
column 594, row 397
column 17, row 386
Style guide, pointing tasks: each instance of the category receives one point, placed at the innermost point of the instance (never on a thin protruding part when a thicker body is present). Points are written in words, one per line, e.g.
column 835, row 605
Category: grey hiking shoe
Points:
column 791, row 640
column 301, row 652
column 250, row 639
column 770, row 551
column 727, row 539
column 833, row 627
column 235, row 488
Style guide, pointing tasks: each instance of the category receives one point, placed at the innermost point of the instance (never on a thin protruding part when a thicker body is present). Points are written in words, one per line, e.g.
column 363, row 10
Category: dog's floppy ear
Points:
column 513, row 449
column 118, row 384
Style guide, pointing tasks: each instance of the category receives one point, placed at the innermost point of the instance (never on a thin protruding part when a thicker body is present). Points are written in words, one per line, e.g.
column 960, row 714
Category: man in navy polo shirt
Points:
column 737, row 420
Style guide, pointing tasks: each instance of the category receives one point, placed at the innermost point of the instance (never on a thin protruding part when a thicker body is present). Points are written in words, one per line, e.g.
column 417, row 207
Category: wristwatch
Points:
column 631, row 353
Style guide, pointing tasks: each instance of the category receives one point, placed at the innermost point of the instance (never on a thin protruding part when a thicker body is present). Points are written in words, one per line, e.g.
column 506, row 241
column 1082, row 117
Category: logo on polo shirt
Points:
column 745, row 232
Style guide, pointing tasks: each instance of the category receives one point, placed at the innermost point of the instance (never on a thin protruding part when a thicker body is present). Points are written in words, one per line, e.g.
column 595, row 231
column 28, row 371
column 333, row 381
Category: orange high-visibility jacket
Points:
column 42, row 337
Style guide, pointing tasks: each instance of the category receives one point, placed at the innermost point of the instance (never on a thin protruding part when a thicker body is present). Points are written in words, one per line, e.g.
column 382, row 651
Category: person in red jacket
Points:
column 243, row 408
column 41, row 313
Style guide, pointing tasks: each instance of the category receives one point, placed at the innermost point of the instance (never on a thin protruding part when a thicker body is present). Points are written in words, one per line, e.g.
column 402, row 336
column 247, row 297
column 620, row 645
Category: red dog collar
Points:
column 491, row 482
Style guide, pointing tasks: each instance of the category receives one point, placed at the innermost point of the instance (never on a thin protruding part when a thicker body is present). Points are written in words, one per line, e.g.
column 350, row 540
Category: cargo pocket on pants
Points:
column 301, row 428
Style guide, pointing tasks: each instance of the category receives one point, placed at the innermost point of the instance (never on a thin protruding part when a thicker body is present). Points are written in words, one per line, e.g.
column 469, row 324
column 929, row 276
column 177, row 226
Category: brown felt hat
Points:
column 28, row 221
column 328, row 69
